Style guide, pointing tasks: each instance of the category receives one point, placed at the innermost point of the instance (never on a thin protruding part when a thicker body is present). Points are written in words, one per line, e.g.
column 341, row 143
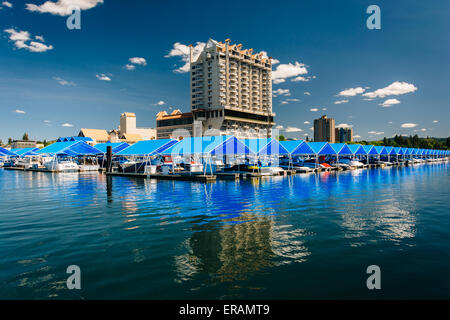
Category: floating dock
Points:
column 179, row 177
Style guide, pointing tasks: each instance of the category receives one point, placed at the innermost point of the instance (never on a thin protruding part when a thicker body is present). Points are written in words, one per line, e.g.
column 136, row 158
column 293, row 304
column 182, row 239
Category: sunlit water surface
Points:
column 304, row 236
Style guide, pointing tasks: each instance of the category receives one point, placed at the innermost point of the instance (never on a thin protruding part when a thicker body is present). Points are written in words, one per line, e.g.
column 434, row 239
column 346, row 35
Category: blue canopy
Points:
column 267, row 146
column 6, row 152
column 381, row 150
column 25, row 151
column 370, row 150
column 66, row 139
column 317, row 148
column 357, row 149
column 71, row 148
column 147, row 147
column 341, row 148
column 212, row 145
column 398, row 151
column 389, row 150
column 291, row 145
column 116, row 146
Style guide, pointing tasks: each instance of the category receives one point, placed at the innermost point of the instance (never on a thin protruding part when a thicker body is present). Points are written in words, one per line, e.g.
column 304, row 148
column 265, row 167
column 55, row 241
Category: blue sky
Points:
column 54, row 81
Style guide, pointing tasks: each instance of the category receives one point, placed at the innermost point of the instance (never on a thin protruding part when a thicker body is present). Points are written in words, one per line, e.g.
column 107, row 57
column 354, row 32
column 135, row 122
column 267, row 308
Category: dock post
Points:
column 108, row 158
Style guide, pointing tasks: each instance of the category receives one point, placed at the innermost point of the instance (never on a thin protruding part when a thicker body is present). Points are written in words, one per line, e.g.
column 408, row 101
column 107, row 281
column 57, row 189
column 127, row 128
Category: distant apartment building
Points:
column 231, row 90
column 174, row 125
column 19, row 144
column 127, row 131
column 344, row 134
column 324, row 129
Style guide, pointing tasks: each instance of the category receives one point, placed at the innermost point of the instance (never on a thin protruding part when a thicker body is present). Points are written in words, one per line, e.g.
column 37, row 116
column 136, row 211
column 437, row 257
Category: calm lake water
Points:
column 305, row 236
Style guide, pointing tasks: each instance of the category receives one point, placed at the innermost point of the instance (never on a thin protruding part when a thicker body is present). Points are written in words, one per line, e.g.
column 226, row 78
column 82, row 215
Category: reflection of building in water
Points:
column 231, row 252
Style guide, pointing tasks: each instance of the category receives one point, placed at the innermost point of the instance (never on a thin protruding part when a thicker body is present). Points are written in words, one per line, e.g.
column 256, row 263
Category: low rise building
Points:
column 19, row 144
column 174, row 125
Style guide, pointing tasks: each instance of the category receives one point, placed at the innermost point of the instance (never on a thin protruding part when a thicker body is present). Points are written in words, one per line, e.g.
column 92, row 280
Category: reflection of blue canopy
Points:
column 116, row 146
column 71, row 148
column 25, row 151
column 357, row 149
column 370, row 150
column 291, row 145
column 208, row 145
column 381, row 150
column 341, row 148
column 6, row 152
column 266, row 146
column 147, row 147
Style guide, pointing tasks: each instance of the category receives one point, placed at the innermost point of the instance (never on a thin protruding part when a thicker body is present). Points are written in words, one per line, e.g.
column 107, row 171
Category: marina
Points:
column 205, row 159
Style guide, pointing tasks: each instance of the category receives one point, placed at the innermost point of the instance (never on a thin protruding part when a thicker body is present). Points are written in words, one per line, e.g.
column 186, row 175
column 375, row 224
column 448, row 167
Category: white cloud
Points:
column 344, row 125
column 394, row 89
column 351, row 92
column 390, row 122
column 279, row 127
column 423, row 130
column 63, row 82
column 285, row 71
column 389, row 102
column 22, row 40
column 130, row 67
column 19, row 111
column 293, row 100
column 357, row 136
column 324, row 109
column 281, row 92
column 47, row 121
column 284, row 102
column 103, row 77
column 293, row 129
column 40, row 38
column 138, row 60
column 67, row 125
column 307, row 93
column 409, row 125
column 160, row 103
column 340, row 101
column 307, row 122
column 435, row 121
column 62, row 7
column 6, row 4
column 313, row 109
column 300, row 78
column 181, row 50
column 376, row 132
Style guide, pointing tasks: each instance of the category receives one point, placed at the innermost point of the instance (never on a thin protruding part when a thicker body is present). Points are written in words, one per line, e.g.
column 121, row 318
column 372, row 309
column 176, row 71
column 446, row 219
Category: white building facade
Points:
column 231, row 91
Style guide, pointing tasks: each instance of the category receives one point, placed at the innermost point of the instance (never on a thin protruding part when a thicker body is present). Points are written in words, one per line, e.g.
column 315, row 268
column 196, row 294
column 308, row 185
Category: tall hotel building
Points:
column 231, row 91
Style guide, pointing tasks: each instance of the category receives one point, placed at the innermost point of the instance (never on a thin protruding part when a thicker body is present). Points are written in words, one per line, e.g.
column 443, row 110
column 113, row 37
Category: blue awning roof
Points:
column 25, row 151
column 211, row 145
column 147, row 147
column 341, row 148
column 116, row 146
column 66, row 139
column 6, row 152
column 370, row 150
column 71, row 148
column 381, row 150
column 266, row 146
column 291, row 145
column 357, row 149
column 317, row 148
